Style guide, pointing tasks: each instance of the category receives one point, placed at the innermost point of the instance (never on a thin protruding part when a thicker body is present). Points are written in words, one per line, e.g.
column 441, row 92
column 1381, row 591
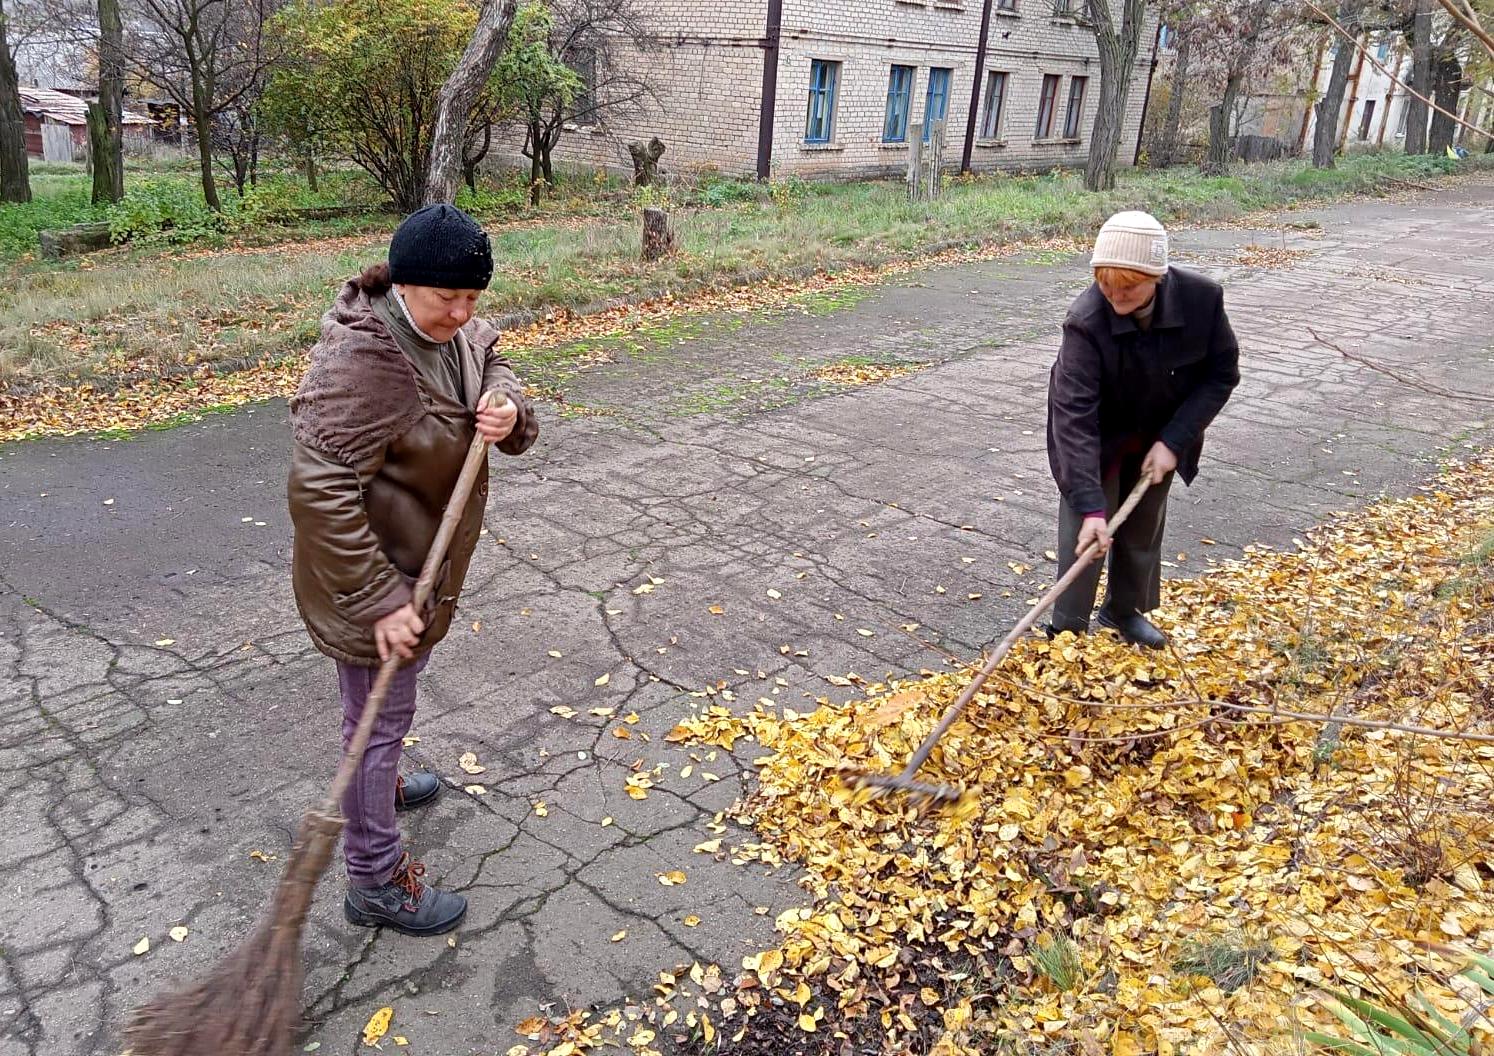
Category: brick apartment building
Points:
column 846, row 80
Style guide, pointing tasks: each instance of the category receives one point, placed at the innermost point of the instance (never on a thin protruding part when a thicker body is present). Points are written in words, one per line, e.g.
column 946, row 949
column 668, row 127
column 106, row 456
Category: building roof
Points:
column 65, row 109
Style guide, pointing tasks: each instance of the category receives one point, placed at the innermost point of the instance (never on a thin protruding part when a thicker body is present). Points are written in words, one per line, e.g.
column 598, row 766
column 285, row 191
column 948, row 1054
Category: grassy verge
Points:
column 141, row 313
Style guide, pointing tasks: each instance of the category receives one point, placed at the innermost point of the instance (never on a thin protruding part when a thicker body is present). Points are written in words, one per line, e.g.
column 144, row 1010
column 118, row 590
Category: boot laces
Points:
column 408, row 875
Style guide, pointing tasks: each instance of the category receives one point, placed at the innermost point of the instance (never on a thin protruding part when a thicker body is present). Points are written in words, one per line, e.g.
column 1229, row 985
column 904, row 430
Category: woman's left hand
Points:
column 1160, row 461
column 496, row 417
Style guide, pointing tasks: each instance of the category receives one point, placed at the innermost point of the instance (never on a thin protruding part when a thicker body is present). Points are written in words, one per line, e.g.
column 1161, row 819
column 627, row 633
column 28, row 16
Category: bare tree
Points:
column 606, row 43
column 1118, row 46
column 207, row 55
column 459, row 95
column 1239, row 38
column 1172, row 128
column 15, row 171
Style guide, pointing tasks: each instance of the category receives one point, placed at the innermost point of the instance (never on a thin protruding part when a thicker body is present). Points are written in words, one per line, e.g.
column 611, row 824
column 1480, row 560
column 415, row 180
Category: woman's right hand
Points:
column 399, row 633
column 1094, row 530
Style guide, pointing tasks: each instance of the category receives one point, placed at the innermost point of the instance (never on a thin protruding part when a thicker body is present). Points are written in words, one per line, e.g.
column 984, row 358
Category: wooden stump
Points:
column 658, row 239
column 646, row 161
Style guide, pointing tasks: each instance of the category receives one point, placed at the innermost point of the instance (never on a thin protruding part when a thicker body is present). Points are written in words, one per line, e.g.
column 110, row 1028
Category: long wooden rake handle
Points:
column 472, row 468
column 1024, row 625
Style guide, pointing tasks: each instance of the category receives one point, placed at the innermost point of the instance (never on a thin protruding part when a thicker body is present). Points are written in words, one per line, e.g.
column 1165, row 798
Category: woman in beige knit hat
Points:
column 1147, row 361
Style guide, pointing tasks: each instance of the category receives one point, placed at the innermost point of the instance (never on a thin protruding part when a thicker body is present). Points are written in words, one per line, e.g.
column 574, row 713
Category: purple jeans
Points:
column 371, row 841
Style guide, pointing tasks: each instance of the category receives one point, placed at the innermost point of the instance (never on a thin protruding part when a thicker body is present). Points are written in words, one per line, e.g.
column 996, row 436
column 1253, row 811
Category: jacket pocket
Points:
column 370, row 603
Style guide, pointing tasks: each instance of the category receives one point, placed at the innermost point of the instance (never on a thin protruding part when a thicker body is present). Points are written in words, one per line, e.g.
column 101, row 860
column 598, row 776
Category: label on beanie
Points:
column 1159, row 252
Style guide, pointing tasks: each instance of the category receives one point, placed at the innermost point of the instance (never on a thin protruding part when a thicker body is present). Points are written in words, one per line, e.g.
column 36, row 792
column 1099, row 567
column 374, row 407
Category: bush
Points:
column 164, row 209
column 486, row 201
column 716, row 192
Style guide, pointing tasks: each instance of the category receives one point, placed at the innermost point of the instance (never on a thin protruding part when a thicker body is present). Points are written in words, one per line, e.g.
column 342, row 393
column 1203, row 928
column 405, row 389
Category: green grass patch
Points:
column 1230, row 962
column 155, row 307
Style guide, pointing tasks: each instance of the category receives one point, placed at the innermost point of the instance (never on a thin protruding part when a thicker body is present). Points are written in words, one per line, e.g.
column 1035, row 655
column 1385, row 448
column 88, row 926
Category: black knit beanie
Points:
column 441, row 246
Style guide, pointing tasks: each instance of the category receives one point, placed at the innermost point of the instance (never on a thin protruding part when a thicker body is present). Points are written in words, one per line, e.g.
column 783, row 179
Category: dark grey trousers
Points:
column 1135, row 583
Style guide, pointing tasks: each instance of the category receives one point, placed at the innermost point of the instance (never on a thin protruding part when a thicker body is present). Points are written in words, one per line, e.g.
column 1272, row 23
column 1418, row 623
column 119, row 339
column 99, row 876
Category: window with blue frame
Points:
column 1383, row 51
column 824, row 79
column 936, row 105
column 899, row 104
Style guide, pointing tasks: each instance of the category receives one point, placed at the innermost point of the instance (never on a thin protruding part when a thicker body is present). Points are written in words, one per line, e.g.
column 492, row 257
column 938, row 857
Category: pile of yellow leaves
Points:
column 1134, row 805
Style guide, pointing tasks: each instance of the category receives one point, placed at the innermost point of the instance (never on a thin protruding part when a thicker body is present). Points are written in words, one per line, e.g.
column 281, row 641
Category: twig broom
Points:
column 250, row 1005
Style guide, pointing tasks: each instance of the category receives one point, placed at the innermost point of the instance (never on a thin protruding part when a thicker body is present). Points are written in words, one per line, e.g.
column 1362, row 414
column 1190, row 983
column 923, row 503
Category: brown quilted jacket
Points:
column 376, row 456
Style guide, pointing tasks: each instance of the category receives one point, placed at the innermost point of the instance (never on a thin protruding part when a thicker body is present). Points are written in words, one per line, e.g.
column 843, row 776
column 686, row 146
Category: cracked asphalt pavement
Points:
column 165, row 717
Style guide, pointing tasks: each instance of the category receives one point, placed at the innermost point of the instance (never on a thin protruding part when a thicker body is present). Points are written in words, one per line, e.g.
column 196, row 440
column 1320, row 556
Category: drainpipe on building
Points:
column 1146, row 100
column 1395, row 64
column 767, row 116
column 980, row 66
column 1343, row 133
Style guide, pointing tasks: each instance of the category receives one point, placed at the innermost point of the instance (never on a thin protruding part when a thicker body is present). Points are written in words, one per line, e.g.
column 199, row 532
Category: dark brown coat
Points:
column 376, row 456
column 1116, row 389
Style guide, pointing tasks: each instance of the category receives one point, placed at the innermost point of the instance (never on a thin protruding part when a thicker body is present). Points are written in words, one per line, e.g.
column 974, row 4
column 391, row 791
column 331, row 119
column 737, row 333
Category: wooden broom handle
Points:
column 472, row 468
column 1024, row 625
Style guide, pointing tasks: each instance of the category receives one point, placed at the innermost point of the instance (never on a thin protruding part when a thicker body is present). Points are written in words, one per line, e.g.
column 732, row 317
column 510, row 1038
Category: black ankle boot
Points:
column 416, row 790
column 1059, row 626
column 1135, row 628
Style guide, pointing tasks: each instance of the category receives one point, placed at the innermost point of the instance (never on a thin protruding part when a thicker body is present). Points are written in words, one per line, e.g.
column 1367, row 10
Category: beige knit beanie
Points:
column 1132, row 240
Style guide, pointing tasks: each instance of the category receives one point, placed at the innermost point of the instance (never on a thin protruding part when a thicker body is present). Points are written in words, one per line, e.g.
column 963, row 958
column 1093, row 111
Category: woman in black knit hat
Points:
column 403, row 377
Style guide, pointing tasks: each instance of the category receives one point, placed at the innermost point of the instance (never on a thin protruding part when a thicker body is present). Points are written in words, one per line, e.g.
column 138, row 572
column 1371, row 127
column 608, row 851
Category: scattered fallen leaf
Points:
column 178, row 934
column 476, row 790
column 602, row 680
column 468, row 762
column 377, row 1026
column 619, row 936
column 142, row 947
column 671, row 879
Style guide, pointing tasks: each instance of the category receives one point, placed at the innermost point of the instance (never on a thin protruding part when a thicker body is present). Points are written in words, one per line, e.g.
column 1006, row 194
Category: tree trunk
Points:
column 311, row 170
column 1448, row 74
column 1117, row 49
column 546, row 166
column 108, row 144
column 204, row 122
column 15, row 171
column 469, row 164
column 103, row 156
column 1217, row 162
column 658, row 239
column 535, row 171
column 459, row 93
column 1421, row 77
column 1325, row 127
column 1172, row 129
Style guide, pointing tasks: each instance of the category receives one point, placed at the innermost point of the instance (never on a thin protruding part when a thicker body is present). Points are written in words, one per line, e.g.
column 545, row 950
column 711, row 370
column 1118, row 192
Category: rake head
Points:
column 902, row 783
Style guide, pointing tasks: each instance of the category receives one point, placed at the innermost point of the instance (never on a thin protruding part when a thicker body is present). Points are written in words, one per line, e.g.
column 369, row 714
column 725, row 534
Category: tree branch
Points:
column 1354, row 40
column 1469, row 20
